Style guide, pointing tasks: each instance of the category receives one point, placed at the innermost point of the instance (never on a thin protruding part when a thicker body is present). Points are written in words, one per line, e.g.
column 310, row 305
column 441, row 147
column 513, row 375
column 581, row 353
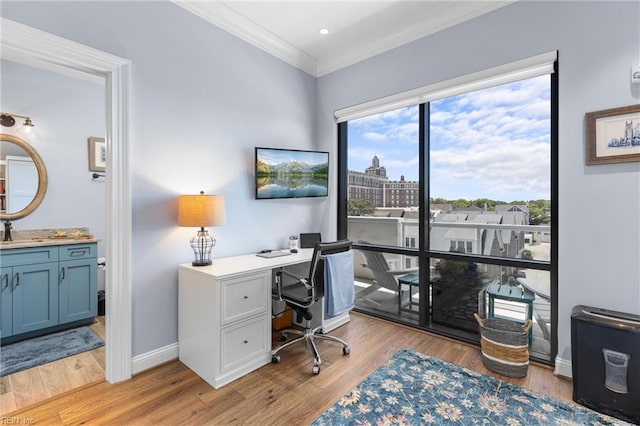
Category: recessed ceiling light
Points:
column 324, row 31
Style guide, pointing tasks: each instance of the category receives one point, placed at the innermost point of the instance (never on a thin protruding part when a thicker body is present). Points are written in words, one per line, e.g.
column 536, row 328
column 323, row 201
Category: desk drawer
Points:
column 243, row 342
column 245, row 296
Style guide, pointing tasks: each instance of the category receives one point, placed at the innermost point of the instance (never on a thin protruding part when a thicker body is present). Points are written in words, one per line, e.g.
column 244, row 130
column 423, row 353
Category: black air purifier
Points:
column 605, row 361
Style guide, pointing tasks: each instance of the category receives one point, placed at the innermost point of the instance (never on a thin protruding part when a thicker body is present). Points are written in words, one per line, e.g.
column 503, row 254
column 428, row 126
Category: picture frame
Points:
column 613, row 135
column 97, row 154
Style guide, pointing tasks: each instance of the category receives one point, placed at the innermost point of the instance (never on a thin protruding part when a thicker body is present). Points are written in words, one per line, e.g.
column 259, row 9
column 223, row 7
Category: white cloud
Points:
column 407, row 165
column 493, row 143
column 440, row 117
column 519, row 169
column 374, row 136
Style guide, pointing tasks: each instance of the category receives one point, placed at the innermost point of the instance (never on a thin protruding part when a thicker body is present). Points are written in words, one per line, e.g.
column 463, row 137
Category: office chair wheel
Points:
column 346, row 350
column 316, row 369
column 275, row 359
column 283, row 337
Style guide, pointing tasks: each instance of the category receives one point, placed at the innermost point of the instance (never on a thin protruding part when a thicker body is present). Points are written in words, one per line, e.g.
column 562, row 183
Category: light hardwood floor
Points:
column 37, row 384
column 284, row 393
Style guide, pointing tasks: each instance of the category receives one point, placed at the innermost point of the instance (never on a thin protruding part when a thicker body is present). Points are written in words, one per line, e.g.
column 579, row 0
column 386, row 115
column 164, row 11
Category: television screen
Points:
column 289, row 173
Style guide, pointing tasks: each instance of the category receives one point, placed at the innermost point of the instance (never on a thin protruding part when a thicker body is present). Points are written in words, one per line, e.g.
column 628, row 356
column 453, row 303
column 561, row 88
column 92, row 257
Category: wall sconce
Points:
column 9, row 120
column 200, row 211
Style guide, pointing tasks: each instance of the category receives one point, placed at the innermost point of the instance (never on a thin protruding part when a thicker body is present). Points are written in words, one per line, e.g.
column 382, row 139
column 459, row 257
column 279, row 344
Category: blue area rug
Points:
column 41, row 350
column 414, row 389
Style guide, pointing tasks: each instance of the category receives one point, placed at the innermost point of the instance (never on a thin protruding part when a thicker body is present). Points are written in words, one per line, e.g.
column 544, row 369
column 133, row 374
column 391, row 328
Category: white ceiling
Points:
column 358, row 29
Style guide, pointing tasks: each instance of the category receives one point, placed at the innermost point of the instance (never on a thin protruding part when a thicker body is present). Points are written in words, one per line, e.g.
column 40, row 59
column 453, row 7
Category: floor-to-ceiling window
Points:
column 450, row 205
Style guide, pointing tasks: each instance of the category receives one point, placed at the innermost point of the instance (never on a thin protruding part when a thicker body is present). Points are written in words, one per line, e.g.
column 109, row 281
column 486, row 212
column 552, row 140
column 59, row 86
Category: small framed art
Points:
column 613, row 135
column 97, row 155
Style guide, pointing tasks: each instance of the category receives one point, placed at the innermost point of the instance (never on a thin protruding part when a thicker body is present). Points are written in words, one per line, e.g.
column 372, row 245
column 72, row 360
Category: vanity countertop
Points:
column 41, row 242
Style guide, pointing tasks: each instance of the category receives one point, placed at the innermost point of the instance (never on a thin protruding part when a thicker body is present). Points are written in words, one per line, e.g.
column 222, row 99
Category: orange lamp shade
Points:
column 201, row 210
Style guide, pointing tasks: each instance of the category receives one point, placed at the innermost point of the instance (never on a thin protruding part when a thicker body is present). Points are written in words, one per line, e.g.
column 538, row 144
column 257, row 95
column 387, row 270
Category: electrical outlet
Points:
column 635, row 74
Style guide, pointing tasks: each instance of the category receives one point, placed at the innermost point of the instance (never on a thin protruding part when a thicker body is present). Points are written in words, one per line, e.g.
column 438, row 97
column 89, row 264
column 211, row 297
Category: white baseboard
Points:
column 154, row 358
column 159, row 356
column 170, row 352
column 335, row 322
column 563, row 368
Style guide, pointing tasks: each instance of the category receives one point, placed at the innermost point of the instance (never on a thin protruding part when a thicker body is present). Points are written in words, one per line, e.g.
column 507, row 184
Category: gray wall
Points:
column 201, row 101
column 66, row 111
column 599, row 206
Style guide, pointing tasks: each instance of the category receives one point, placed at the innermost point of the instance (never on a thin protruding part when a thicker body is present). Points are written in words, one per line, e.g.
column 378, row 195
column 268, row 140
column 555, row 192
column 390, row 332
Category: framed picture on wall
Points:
column 613, row 135
column 97, row 154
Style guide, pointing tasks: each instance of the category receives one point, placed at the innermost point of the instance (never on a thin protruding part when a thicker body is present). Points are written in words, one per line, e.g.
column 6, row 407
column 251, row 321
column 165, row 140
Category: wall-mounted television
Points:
column 291, row 173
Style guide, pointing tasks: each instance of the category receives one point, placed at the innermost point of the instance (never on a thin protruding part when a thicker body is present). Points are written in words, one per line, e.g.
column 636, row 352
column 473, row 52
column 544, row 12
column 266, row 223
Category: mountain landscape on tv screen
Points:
column 292, row 166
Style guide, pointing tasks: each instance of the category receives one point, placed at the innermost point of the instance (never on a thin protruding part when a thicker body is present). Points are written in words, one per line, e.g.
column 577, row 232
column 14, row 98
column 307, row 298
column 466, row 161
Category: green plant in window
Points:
column 359, row 207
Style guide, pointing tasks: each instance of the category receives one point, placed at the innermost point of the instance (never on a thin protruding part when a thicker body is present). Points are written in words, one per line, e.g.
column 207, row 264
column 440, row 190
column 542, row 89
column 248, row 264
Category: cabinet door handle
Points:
column 246, row 297
column 17, row 280
column 5, row 277
column 62, row 275
column 246, row 341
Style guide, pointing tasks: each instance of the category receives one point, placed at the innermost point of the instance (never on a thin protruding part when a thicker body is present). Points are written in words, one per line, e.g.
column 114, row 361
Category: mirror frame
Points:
column 42, row 178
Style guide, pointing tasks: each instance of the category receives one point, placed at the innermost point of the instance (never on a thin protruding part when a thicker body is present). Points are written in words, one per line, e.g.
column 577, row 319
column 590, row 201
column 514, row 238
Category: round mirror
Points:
column 23, row 178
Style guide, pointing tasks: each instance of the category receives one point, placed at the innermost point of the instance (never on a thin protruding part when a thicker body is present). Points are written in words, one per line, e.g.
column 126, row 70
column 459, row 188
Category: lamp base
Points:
column 202, row 244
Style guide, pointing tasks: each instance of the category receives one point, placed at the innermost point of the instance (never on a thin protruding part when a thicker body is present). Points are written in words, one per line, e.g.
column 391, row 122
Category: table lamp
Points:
column 200, row 211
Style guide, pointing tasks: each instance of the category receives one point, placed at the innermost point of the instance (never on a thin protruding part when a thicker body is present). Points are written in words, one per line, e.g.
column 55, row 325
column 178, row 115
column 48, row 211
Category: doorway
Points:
column 26, row 45
column 63, row 124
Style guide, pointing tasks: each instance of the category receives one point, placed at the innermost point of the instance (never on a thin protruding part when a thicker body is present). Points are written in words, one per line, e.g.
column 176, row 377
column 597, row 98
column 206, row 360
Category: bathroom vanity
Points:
column 48, row 277
column 46, row 285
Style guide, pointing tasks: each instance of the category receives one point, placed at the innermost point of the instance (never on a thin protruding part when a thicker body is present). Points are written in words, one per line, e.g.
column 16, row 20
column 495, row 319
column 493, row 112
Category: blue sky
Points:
column 492, row 143
column 275, row 156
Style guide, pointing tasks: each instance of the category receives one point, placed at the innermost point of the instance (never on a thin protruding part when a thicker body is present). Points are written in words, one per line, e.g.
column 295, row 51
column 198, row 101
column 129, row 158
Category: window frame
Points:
column 423, row 252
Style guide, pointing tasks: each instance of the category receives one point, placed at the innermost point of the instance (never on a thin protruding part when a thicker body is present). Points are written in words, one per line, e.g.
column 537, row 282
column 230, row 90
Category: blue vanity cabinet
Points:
column 46, row 289
column 35, row 297
column 78, row 282
column 29, row 289
column 6, row 313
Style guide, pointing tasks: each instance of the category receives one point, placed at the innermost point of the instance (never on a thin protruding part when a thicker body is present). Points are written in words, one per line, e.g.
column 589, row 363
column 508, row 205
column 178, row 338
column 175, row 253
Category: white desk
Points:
column 224, row 315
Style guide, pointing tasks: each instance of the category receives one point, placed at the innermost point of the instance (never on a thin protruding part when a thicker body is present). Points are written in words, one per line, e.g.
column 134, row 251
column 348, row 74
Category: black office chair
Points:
column 303, row 294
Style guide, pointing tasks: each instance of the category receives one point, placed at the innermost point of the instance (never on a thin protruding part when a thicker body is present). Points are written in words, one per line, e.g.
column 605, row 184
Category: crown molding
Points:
column 407, row 35
column 245, row 29
column 233, row 22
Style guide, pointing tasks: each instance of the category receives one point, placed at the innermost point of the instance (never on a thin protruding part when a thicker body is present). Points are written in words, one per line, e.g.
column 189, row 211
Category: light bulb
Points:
column 26, row 131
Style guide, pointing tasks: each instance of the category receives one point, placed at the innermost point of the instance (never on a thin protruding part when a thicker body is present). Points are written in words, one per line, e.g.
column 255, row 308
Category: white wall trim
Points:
column 26, row 45
column 443, row 20
column 563, row 368
column 155, row 358
column 236, row 24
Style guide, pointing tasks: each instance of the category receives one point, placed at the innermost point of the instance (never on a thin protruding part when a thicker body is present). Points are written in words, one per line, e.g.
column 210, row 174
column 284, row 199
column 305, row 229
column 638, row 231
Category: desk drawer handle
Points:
column 78, row 252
